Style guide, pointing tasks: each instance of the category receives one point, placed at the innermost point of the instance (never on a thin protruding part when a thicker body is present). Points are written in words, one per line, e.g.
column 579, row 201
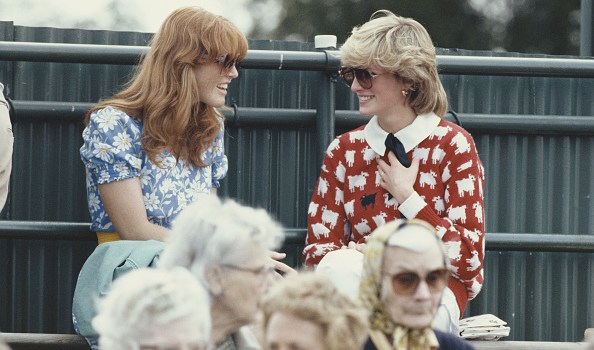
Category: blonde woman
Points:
column 406, row 162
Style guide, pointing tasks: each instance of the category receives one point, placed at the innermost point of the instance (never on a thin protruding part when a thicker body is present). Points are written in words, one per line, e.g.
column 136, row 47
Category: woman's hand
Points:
column 354, row 245
column 280, row 266
column 397, row 179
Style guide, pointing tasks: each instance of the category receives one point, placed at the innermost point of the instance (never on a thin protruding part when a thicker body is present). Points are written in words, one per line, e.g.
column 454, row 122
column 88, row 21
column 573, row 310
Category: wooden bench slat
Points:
column 39, row 341
column 526, row 345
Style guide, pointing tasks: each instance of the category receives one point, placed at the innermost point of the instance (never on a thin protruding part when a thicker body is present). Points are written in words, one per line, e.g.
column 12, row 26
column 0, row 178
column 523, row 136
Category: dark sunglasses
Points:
column 364, row 77
column 226, row 62
column 406, row 283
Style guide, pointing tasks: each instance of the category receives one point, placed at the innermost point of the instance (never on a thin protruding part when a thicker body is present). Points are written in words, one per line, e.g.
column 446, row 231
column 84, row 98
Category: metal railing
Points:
column 328, row 62
column 325, row 118
column 71, row 241
column 529, row 242
column 240, row 116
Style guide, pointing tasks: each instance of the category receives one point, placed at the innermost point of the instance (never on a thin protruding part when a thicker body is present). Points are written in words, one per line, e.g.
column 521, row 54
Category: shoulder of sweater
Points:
column 455, row 127
column 447, row 136
column 353, row 140
column 347, row 134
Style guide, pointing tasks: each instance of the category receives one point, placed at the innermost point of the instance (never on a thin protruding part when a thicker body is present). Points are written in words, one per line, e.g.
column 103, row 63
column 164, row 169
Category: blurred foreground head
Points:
column 227, row 247
column 306, row 311
column 154, row 309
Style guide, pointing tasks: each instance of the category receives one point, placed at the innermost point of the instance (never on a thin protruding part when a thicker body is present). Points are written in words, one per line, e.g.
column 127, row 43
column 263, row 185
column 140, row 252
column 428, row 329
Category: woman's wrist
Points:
column 402, row 195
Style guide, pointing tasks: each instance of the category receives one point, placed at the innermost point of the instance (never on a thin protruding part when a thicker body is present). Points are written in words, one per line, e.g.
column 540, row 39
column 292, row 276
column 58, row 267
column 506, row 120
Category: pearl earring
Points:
column 404, row 93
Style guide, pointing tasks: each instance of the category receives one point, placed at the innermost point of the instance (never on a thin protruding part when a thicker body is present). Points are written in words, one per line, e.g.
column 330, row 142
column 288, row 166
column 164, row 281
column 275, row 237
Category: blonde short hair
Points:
column 312, row 297
column 402, row 46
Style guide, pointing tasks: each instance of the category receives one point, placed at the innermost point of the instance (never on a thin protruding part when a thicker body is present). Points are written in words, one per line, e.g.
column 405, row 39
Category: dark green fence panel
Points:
column 535, row 135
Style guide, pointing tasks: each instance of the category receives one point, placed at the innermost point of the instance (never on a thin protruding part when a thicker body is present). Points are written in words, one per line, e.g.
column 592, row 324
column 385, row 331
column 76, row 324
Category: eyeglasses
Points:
column 406, row 283
column 259, row 271
column 226, row 62
column 364, row 77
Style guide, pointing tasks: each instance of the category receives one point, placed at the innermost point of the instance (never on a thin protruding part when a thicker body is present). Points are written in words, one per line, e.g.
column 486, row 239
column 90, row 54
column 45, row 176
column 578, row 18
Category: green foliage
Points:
column 530, row 26
column 545, row 26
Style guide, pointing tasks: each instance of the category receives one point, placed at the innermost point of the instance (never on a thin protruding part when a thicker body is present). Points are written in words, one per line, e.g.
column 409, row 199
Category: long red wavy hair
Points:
column 163, row 92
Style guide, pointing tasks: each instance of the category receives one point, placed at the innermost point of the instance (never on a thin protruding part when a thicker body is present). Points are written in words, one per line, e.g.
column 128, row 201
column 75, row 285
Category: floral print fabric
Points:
column 112, row 151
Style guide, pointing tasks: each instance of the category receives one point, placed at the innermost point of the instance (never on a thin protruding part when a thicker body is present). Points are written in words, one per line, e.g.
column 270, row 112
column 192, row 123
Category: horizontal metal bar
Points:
column 528, row 124
column 75, row 112
column 540, row 242
column 50, row 110
column 46, row 230
column 270, row 116
column 301, row 60
column 70, row 53
column 292, row 60
column 529, row 242
column 130, row 55
column 487, row 123
column 516, row 66
column 74, row 231
column 501, row 123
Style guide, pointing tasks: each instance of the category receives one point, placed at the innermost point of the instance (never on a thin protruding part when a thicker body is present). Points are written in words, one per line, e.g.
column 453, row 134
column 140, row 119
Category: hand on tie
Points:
column 393, row 144
column 396, row 178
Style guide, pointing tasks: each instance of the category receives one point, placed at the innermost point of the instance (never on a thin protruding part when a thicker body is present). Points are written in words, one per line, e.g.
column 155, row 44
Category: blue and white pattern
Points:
column 112, row 151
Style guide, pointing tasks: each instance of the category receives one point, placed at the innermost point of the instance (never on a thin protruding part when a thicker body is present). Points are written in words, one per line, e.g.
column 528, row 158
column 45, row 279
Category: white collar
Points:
column 410, row 136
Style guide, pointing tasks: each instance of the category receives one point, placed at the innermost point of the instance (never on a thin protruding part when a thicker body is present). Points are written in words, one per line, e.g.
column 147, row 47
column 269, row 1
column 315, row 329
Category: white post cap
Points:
column 325, row 41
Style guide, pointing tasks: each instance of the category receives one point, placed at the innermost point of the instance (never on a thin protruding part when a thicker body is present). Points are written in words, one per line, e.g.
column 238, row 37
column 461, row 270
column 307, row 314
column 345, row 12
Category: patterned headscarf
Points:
column 370, row 291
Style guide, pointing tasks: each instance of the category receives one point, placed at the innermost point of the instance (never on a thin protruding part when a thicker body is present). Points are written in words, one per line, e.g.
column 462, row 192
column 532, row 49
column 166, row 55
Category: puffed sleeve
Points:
column 112, row 149
column 220, row 164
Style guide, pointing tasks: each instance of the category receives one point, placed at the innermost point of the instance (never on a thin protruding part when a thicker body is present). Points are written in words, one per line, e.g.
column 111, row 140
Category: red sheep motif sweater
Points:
column 349, row 202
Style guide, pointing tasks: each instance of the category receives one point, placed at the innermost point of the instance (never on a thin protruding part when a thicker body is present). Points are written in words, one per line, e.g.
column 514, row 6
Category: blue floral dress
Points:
column 112, row 151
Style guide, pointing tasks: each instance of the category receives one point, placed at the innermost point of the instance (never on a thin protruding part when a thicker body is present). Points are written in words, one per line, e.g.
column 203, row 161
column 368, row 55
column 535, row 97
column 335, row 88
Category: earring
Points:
column 404, row 92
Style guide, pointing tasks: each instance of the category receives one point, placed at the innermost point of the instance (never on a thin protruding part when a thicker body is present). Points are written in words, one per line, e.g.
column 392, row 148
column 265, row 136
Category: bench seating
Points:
column 37, row 341
column 40, row 341
column 526, row 345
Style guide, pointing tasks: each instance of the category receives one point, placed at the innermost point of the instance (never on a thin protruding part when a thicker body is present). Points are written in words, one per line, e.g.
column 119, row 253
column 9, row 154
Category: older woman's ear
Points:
column 214, row 280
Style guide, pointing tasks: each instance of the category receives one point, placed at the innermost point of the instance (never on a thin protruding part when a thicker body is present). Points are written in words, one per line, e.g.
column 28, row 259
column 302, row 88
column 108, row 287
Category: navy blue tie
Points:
column 393, row 144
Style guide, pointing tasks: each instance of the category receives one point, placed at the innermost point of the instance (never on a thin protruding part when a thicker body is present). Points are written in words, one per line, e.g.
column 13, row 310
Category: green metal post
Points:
column 325, row 120
column 586, row 28
column 325, row 114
